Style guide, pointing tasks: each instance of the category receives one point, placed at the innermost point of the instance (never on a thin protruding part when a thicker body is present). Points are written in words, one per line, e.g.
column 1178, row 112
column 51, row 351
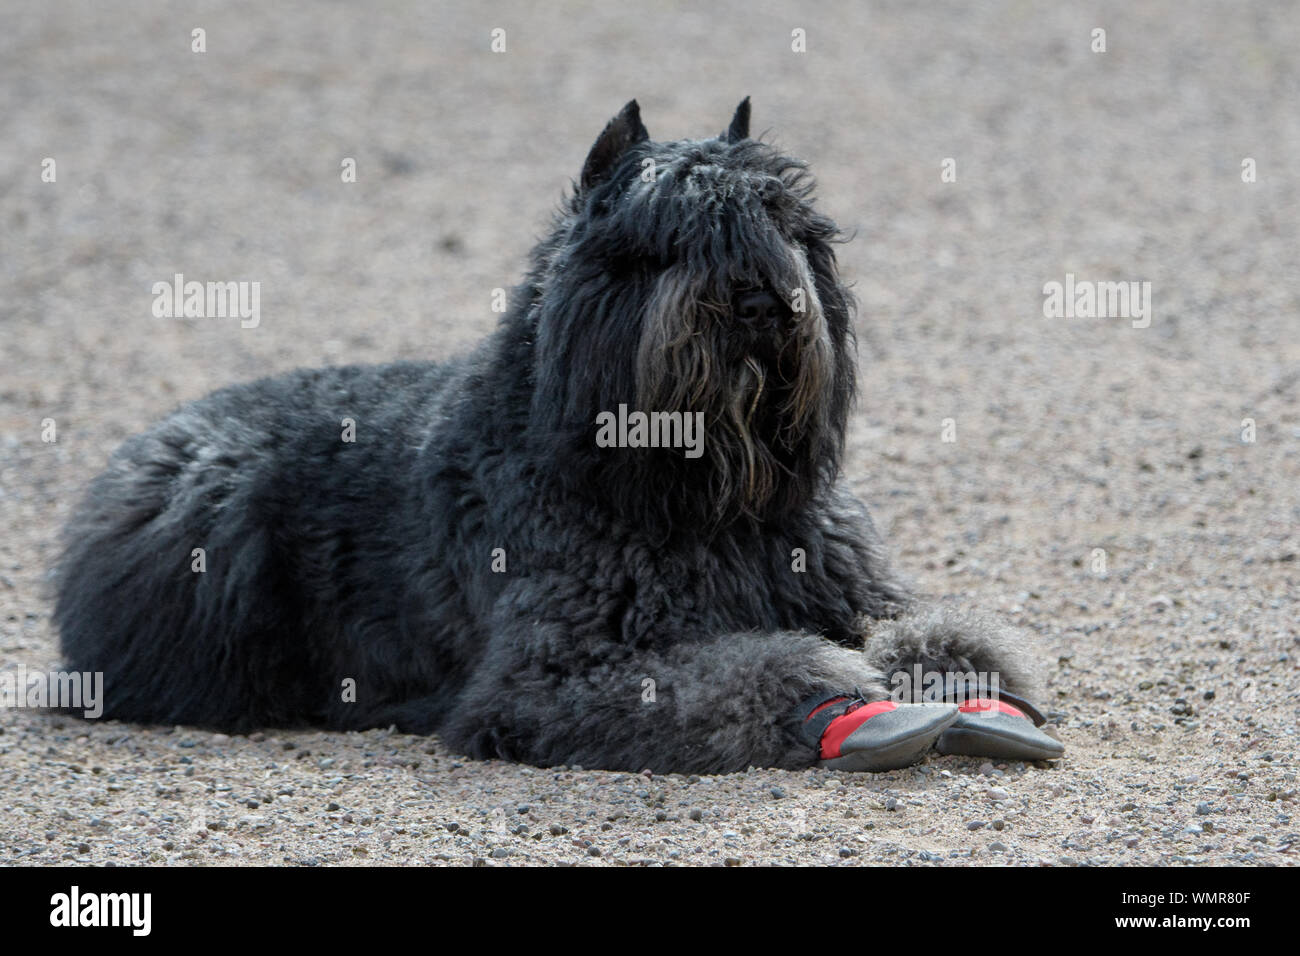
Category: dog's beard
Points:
column 766, row 398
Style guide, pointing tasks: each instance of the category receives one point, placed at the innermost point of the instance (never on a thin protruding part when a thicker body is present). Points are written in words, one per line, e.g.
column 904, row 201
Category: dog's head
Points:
column 688, row 277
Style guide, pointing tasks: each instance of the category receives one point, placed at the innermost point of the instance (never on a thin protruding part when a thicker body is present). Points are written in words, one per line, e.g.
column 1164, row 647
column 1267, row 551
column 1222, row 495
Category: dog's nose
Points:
column 760, row 310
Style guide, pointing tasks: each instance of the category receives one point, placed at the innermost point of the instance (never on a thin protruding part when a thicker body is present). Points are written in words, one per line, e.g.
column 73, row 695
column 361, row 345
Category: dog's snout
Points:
column 761, row 310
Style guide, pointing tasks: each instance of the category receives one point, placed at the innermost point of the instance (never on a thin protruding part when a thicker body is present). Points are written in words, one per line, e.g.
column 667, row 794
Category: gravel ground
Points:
column 1173, row 671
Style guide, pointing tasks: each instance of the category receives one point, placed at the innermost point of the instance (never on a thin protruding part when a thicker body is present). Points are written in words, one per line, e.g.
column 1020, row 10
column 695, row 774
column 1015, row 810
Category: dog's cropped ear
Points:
column 739, row 128
column 620, row 134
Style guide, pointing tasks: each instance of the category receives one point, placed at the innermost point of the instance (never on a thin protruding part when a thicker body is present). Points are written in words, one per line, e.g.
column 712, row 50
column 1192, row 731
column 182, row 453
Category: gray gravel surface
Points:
column 1173, row 671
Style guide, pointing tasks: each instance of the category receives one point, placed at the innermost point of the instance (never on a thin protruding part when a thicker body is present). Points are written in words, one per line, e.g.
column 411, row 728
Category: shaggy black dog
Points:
column 496, row 550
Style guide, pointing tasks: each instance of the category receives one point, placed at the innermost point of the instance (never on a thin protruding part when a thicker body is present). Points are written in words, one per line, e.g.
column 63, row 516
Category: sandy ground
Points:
column 1173, row 672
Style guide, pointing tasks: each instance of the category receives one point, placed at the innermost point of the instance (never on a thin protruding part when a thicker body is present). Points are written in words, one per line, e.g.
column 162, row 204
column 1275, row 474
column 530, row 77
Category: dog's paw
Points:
column 852, row 734
column 988, row 727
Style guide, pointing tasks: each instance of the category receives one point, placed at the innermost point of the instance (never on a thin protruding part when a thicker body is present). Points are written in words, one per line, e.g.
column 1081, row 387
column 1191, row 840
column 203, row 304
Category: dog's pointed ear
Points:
column 620, row 134
column 739, row 128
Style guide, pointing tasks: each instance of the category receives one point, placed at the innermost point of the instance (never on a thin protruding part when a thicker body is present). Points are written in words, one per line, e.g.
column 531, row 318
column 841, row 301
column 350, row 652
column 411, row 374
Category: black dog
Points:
column 495, row 549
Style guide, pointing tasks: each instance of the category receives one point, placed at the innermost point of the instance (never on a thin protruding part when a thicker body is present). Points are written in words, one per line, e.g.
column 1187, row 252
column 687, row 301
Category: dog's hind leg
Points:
column 171, row 585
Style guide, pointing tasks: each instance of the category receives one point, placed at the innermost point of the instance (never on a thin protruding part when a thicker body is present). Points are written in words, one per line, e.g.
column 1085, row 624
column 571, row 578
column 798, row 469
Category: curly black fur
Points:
column 375, row 560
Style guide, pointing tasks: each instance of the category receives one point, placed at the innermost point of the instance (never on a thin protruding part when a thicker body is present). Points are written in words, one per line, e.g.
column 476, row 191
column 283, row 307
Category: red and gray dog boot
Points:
column 999, row 725
column 851, row 734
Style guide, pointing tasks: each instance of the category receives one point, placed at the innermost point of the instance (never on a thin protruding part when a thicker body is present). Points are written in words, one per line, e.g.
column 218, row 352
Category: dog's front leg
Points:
column 552, row 689
column 940, row 652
